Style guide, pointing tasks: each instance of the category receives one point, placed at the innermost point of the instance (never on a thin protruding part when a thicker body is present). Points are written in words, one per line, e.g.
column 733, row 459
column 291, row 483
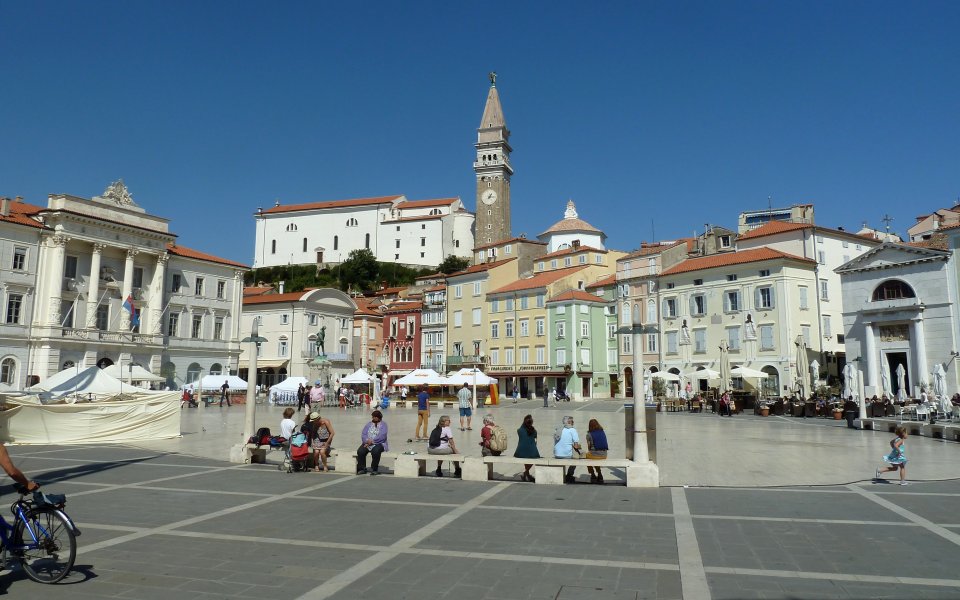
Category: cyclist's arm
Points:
column 11, row 469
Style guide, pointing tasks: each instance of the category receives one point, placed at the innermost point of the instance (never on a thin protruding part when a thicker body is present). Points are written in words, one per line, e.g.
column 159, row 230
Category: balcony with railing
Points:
column 117, row 337
column 469, row 360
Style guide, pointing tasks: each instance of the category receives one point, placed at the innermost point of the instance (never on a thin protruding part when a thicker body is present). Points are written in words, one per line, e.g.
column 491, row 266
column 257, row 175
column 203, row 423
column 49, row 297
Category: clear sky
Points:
column 666, row 115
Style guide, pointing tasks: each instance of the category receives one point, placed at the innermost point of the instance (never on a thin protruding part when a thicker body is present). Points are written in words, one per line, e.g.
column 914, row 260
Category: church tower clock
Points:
column 493, row 172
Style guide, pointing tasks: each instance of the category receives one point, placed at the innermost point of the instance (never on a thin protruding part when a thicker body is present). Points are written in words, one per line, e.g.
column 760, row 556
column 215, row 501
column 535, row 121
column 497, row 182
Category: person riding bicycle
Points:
column 16, row 474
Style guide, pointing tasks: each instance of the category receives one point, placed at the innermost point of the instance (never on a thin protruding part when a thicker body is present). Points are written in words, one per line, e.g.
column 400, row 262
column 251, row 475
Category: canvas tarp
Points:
column 358, row 376
column 89, row 384
column 144, row 417
column 137, row 373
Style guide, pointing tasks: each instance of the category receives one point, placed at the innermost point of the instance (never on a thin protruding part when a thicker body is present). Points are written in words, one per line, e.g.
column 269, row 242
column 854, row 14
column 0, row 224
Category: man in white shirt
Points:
column 567, row 441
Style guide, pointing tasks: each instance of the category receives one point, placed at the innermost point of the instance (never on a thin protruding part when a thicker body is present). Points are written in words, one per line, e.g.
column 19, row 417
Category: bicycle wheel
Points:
column 50, row 557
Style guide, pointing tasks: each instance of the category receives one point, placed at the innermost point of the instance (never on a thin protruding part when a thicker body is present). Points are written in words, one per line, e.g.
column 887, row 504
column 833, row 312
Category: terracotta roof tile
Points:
column 426, row 203
column 608, row 280
column 257, row 290
column 197, row 255
column 580, row 295
column 539, row 280
column 572, row 250
column 330, row 204
column 271, row 298
column 654, row 249
column 514, row 239
column 571, row 225
column 21, row 213
column 773, row 227
column 938, row 241
column 436, row 288
column 399, row 307
column 481, row 267
column 731, row 258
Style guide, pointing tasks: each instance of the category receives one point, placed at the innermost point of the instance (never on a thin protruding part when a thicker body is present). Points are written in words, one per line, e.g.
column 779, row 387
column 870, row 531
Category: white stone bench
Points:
column 415, row 465
column 251, row 453
column 547, row 470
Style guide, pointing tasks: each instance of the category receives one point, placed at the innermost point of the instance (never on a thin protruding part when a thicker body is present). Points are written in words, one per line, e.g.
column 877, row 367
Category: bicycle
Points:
column 42, row 537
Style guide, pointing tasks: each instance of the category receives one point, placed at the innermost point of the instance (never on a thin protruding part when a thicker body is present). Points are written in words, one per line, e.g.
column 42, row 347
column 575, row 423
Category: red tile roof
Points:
column 608, row 280
column 773, row 227
column 572, row 250
column 938, row 241
column 403, row 307
column 185, row 252
column 426, row 203
column 539, row 280
column 436, row 288
column 514, row 239
column 390, row 290
column 257, row 290
column 652, row 249
column 330, row 204
column 21, row 213
column 732, row 258
column 481, row 267
column 580, row 295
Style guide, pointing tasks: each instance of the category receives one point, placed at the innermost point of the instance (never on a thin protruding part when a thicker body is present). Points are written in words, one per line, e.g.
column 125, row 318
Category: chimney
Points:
column 281, row 287
column 576, row 244
column 4, row 206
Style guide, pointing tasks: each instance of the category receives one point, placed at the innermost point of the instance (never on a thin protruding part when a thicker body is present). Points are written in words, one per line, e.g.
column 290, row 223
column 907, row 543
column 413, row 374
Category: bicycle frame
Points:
column 6, row 529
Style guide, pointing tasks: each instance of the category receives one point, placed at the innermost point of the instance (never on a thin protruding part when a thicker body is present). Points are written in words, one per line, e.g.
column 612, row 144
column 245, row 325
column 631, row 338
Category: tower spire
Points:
column 493, row 112
column 493, row 171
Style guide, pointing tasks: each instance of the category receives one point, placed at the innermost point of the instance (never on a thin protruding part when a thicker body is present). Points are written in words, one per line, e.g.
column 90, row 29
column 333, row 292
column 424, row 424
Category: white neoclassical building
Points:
column 899, row 302
column 67, row 287
column 411, row 232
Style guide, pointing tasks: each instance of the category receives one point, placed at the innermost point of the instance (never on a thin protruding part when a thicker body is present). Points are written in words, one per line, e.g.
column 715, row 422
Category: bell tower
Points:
column 493, row 172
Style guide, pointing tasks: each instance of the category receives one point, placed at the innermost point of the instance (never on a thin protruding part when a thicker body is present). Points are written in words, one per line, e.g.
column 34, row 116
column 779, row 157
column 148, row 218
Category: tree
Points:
column 452, row 264
column 361, row 270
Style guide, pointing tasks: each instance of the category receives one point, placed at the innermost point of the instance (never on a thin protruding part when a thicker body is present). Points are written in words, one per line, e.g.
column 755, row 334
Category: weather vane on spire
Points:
column 493, row 78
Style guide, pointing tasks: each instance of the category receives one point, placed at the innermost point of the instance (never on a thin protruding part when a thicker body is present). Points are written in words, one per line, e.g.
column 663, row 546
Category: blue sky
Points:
column 649, row 115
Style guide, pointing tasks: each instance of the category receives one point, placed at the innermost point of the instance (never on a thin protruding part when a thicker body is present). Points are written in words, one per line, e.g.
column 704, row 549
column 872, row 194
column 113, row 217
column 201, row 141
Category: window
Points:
column 845, row 244
column 221, row 289
column 495, row 329
column 477, row 316
column 540, row 266
column 336, row 242
column 282, row 348
column 540, row 300
column 627, row 344
column 697, row 282
column 651, row 286
column 197, row 328
column 584, row 329
column 804, row 303
column 508, row 356
column 766, row 337
column 846, row 258
column 567, row 262
column 598, row 259
column 765, row 297
column 218, row 328
column 651, row 342
column 733, row 339
column 396, row 243
column 540, row 327
column 68, row 317
column 669, row 286
column 553, row 263
column 541, row 355
column 827, row 331
column 819, row 239
column 824, row 290
column 494, row 357
column 458, row 318
column 19, row 259
column 423, row 242
column 893, row 289
column 821, row 257
column 103, row 317
column 351, row 222
column 699, row 341
column 731, row 301
column 731, row 277
column 611, row 331
column 561, row 330
column 561, row 356
column 508, row 329
column 70, row 267
column 14, row 305
column 411, row 324
column 669, row 307
column 509, row 304
column 805, row 332
column 477, row 288
column 291, row 227
column 584, row 356
column 198, row 287
column 8, row 371
column 525, row 328
column 508, row 249
column 273, row 246
column 671, row 342
column 698, row 305
column 652, row 266
column 284, row 319
column 173, row 324
column 764, row 272
column 366, row 241
column 582, row 259
column 304, row 245
column 651, row 311
column 524, row 303
column 524, row 356
column 138, row 277
column 724, row 241
column 176, row 283
column 458, row 291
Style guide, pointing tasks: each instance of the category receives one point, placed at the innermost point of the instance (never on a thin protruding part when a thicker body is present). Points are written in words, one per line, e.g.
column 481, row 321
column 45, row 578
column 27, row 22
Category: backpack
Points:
column 435, row 437
column 261, row 437
column 498, row 439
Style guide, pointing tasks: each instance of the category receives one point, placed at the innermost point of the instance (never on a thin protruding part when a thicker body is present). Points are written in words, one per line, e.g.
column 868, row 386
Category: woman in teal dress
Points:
column 527, row 446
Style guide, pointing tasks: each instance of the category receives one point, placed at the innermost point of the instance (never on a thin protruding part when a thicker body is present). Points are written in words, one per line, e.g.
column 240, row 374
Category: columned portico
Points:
column 58, row 254
column 155, row 304
column 920, row 352
column 127, row 288
column 93, row 286
column 872, row 356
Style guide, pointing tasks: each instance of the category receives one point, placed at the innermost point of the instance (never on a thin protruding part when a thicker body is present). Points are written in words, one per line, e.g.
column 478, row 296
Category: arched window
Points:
column 193, row 372
column 651, row 312
column 396, row 354
column 336, row 242
column 436, row 211
column 351, row 222
column 103, row 363
column 216, row 369
column 893, row 289
column 8, row 371
column 343, row 345
column 292, row 227
column 625, row 314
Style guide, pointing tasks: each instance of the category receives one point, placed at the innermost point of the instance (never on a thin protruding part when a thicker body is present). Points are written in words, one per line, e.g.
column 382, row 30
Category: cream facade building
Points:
column 467, row 322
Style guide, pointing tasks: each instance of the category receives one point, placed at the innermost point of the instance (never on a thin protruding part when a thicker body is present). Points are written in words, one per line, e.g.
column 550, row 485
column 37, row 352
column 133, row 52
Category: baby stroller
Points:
column 297, row 453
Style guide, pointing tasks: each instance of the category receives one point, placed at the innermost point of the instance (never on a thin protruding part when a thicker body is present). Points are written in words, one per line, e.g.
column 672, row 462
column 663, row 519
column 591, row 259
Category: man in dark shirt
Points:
column 423, row 414
column 223, row 393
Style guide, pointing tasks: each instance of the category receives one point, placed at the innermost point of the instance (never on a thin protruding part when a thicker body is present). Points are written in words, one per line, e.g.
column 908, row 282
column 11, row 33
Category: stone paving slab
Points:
column 584, row 497
column 143, row 508
column 786, row 505
column 936, row 509
column 738, row 587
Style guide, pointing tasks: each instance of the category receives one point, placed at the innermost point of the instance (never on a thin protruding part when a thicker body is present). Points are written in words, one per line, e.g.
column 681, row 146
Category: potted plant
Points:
column 764, row 410
column 837, row 413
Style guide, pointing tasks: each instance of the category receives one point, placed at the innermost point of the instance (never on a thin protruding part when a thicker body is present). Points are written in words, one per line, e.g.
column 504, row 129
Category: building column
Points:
column 93, row 286
column 920, row 352
column 872, row 357
column 156, row 295
column 127, row 288
column 58, row 255
column 236, row 308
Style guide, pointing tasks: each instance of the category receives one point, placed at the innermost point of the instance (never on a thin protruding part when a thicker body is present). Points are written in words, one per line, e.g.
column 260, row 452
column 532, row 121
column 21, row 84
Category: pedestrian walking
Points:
column 527, row 446
column 466, row 410
column 897, row 458
column 301, row 394
column 423, row 414
column 225, row 393
column 516, row 394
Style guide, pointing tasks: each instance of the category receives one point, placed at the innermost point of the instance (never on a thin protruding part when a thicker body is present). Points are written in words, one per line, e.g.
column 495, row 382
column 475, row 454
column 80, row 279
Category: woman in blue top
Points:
column 527, row 446
column 897, row 459
column 596, row 448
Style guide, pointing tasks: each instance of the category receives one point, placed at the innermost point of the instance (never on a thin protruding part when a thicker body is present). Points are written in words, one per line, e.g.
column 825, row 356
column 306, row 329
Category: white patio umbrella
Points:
column 939, row 381
column 724, row 367
column 666, row 376
column 885, row 379
column 815, row 372
column 422, row 377
column 702, row 374
column 901, row 383
column 748, row 373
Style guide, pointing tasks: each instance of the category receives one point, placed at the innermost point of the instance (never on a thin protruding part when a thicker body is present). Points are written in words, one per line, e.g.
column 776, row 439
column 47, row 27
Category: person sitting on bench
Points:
column 441, row 442
column 373, row 440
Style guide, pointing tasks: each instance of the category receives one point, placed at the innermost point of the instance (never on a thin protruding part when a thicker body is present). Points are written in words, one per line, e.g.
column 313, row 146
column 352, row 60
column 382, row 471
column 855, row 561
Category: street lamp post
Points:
column 640, row 452
column 239, row 453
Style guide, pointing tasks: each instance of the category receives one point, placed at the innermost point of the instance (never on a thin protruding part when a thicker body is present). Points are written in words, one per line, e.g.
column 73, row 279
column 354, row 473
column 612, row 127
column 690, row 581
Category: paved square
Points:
column 171, row 518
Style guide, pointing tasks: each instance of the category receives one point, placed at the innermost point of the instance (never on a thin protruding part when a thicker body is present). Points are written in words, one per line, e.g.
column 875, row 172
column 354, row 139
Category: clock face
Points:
column 489, row 197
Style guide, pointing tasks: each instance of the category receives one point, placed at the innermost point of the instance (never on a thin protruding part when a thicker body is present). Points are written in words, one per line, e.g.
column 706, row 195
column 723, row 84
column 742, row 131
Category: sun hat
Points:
column 314, row 416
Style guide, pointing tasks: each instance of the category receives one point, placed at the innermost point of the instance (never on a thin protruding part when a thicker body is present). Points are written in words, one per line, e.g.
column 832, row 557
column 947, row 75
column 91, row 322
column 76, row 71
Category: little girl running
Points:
column 897, row 459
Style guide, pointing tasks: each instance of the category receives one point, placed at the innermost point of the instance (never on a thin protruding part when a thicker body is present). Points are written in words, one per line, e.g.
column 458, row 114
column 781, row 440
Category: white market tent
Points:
column 290, row 384
column 213, row 382
column 422, row 377
column 467, row 375
column 56, row 379
column 90, row 383
column 358, row 376
column 137, row 373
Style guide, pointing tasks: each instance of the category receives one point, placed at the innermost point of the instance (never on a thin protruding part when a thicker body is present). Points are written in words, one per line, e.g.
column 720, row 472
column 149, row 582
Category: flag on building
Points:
column 134, row 313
